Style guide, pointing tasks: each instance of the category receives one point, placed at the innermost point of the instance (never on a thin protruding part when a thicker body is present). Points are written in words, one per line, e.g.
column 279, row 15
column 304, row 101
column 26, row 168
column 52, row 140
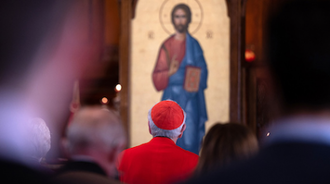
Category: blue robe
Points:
column 193, row 103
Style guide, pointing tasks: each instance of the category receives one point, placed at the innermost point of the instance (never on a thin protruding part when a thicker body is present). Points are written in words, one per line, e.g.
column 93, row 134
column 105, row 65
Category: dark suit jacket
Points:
column 279, row 163
column 16, row 172
column 83, row 173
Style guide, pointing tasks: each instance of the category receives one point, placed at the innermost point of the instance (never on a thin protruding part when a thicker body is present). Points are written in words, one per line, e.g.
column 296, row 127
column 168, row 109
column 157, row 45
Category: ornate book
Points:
column 192, row 78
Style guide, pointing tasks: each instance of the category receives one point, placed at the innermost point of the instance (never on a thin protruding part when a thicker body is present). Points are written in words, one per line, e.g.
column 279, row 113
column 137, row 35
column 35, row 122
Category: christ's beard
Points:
column 181, row 28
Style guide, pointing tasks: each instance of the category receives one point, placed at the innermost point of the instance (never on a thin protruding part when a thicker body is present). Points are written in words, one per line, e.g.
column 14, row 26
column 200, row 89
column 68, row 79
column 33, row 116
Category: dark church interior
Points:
column 70, row 61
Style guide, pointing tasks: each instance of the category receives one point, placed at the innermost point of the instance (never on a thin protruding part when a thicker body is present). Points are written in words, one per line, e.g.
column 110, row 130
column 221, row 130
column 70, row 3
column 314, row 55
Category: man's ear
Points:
column 115, row 152
column 112, row 155
column 64, row 143
column 182, row 130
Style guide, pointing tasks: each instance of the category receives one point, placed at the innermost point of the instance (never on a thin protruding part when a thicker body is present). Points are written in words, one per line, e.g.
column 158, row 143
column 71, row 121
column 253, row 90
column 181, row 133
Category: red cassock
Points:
column 158, row 161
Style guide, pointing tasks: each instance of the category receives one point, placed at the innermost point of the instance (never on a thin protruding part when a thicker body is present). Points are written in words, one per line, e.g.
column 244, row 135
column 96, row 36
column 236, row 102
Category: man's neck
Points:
column 173, row 139
column 97, row 156
column 180, row 36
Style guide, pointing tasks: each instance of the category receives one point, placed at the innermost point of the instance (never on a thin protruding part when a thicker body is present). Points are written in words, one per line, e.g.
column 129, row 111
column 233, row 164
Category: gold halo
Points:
column 196, row 15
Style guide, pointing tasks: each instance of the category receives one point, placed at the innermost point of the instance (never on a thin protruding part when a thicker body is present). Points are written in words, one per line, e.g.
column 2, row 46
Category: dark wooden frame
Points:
column 236, row 13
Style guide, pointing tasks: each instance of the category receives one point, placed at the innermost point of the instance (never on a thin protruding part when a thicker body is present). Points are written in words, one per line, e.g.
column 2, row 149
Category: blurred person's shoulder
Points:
column 282, row 162
column 14, row 172
column 82, row 177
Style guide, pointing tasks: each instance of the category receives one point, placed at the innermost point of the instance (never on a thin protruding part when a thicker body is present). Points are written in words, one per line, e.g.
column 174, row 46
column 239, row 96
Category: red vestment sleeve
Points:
column 160, row 73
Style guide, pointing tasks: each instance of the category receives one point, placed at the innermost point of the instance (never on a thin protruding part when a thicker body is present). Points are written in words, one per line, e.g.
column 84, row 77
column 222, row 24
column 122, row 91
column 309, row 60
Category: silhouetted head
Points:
column 225, row 144
column 24, row 27
column 299, row 57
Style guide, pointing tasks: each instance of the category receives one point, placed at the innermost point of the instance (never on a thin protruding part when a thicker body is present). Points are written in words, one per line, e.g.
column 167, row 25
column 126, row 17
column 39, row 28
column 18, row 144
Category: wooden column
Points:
column 236, row 13
column 124, row 61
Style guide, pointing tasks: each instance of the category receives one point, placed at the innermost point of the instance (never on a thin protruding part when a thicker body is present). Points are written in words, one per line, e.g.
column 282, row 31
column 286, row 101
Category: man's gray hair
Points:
column 158, row 132
column 40, row 138
column 95, row 128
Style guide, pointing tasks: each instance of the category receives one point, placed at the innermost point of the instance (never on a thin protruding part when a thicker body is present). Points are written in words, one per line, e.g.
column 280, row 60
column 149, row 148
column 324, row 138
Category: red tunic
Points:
column 170, row 48
column 158, row 161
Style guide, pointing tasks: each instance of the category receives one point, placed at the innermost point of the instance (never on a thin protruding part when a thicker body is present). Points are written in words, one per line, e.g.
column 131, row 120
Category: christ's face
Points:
column 180, row 21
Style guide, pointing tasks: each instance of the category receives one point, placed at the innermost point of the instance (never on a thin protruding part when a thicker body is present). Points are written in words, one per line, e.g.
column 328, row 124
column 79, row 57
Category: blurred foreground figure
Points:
column 160, row 160
column 226, row 144
column 40, row 57
column 40, row 143
column 298, row 148
column 40, row 140
column 95, row 138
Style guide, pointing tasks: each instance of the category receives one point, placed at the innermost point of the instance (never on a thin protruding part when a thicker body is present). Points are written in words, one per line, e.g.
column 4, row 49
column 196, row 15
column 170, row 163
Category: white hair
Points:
column 94, row 128
column 40, row 138
column 158, row 132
